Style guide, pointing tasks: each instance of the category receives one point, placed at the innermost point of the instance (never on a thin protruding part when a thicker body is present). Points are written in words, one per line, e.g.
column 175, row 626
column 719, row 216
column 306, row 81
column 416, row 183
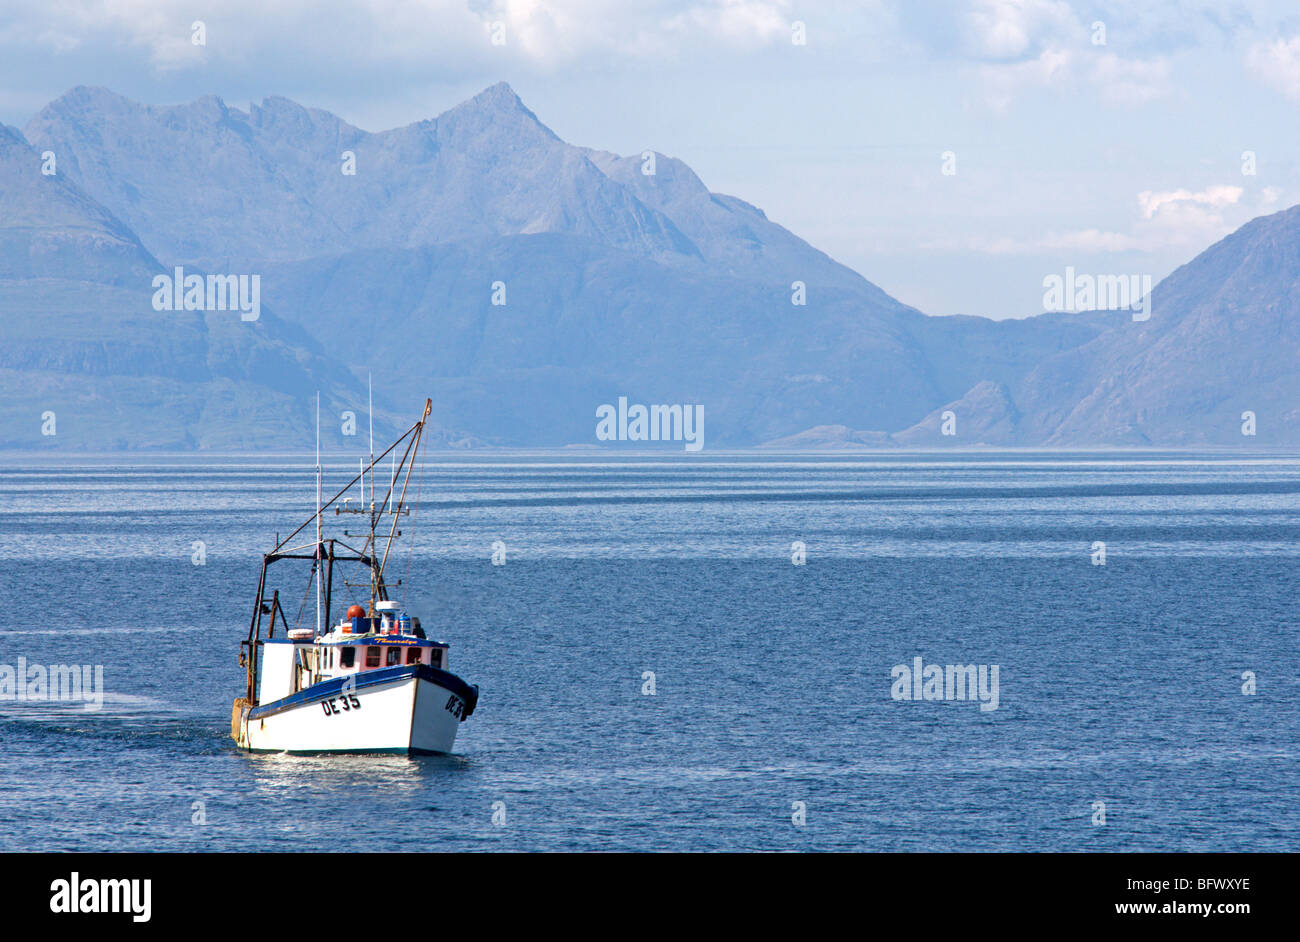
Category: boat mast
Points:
column 369, row 556
column 412, row 449
column 370, row 394
column 320, row 583
column 374, row 576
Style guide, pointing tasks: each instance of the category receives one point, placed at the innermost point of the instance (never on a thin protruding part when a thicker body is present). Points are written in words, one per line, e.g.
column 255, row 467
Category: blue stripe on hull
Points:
column 372, row 678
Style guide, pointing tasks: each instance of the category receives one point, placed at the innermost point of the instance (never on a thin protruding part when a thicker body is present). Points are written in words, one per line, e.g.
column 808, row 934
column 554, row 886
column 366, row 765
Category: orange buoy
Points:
column 356, row 611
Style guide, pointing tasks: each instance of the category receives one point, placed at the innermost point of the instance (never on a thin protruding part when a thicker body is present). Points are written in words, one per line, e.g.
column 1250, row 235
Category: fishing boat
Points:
column 373, row 681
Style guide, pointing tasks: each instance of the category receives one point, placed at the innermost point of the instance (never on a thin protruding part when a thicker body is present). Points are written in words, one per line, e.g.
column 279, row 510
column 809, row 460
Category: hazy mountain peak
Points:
column 986, row 415
column 1213, row 363
column 49, row 227
column 498, row 97
column 287, row 118
column 1262, row 257
column 82, row 96
column 497, row 113
column 206, row 102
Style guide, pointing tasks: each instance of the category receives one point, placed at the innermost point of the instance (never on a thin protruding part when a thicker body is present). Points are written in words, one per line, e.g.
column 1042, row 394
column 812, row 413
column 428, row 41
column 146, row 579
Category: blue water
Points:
column 1119, row 683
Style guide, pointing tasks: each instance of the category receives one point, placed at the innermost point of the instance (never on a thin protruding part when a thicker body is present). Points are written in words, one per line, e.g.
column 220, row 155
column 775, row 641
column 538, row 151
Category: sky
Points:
column 954, row 152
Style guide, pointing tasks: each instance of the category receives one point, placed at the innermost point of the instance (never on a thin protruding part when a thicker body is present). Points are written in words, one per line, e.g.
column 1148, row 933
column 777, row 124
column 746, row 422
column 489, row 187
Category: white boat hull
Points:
column 413, row 710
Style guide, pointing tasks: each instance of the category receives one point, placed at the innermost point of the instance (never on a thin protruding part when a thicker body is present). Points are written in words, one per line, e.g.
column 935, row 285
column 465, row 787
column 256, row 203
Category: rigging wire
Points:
column 410, row 549
column 302, row 606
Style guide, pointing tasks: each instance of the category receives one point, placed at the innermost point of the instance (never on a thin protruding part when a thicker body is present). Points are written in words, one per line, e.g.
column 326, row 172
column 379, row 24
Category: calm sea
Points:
column 1120, row 686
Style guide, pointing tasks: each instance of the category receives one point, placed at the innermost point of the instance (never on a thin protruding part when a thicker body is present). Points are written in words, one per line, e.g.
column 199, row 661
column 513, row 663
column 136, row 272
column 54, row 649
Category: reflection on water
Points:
column 341, row 773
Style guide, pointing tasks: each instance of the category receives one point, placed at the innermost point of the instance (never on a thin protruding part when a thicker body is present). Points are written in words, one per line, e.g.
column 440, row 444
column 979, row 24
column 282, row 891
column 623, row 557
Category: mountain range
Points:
column 521, row 282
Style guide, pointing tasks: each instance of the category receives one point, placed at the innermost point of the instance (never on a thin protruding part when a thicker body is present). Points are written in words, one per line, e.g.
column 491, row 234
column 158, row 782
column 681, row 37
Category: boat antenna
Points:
column 374, row 578
column 320, row 585
column 370, row 392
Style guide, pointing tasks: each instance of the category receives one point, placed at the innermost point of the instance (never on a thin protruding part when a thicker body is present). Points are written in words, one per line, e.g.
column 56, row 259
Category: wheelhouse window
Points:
column 394, row 657
column 372, row 657
column 435, row 657
column 348, row 657
column 412, row 655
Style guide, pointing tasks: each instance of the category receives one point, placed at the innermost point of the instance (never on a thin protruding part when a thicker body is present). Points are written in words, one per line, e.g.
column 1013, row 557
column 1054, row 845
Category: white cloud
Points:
column 1181, row 219
column 1116, row 79
column 1004, row 82
column 409, row 33
column 744, row 23
column 1014, row 29
column 1278, row 64
column 1130, row 81
column 1153, row 203
column 1194, row 219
